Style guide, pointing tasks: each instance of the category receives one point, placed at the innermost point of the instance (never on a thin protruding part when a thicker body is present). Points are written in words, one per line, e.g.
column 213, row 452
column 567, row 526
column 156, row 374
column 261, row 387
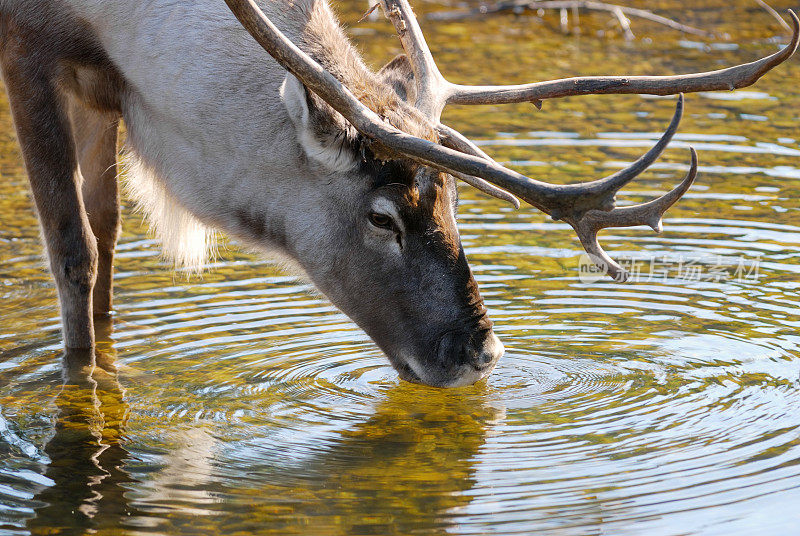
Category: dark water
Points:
column 241, row 402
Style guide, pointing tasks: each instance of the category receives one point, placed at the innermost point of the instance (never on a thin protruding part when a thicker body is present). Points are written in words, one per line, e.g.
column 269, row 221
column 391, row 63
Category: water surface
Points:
column 243, row 402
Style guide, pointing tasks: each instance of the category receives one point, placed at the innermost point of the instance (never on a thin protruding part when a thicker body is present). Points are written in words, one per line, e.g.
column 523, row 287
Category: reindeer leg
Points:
column 43, row 130
column 95, row 135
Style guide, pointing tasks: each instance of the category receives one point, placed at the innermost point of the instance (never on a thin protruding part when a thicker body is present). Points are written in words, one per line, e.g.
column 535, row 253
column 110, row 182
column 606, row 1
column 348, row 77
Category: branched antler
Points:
column 587, row 207
column 649, row 214
column 399, row 12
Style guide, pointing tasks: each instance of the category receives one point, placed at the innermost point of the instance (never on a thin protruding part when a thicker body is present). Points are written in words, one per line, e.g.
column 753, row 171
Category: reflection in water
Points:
column 404, row 470
column 403, row 467
column 86, row 452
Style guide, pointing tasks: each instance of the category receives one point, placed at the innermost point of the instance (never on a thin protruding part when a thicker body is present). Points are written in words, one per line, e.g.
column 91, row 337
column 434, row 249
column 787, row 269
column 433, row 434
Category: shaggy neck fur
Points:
column 324, row 40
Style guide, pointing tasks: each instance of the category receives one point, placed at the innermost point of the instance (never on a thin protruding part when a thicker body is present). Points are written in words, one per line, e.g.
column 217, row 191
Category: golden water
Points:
column 241, row 402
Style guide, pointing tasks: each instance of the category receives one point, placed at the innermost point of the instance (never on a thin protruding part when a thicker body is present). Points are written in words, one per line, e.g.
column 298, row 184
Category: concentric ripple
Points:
column 242, row 402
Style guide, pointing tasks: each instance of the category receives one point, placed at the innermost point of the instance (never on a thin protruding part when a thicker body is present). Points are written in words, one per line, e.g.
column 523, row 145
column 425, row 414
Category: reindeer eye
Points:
column 380, row 220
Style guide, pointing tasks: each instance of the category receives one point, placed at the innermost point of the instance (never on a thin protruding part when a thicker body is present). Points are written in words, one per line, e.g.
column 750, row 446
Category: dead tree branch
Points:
column 621, row 13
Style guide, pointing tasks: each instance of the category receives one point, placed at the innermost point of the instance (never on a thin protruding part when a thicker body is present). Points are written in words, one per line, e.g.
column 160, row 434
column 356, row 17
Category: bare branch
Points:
column 534, row 5
column 368, row 14
column 624, row 23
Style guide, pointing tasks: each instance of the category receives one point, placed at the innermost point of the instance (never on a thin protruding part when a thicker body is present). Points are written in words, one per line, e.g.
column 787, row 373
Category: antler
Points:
column 587, row 206
column 649, row 213
column 444, row 92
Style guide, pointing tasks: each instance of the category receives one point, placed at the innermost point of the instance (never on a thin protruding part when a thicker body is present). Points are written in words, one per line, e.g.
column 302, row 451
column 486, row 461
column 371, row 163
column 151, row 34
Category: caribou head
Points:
column 390, row 256
column 399, row 271
column 398, row 268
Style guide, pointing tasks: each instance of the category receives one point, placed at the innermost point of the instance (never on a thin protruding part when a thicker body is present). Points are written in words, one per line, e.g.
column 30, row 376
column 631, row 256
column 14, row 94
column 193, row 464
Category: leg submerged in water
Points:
column 95, row 135
column 49, row 152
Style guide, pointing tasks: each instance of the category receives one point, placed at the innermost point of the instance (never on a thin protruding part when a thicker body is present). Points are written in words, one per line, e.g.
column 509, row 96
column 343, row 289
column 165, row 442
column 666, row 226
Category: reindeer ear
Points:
column 400, row 77
column 326, row 137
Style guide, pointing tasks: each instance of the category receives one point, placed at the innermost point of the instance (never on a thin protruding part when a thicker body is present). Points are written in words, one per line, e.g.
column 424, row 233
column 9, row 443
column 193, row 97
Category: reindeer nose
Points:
column 485, row 351
column 480, row 348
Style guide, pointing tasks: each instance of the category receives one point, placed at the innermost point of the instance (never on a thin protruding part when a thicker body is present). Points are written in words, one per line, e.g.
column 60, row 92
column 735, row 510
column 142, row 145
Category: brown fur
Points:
column 65, row 97
column 95, row 137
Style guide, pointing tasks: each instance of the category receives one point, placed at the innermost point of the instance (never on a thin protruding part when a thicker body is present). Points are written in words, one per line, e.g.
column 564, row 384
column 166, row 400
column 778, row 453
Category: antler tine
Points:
column 432, row 88
column 452, row 138
column 434, row 92
column 649, row 213
column 731, row 78
column 572, row 201
column 611, row 184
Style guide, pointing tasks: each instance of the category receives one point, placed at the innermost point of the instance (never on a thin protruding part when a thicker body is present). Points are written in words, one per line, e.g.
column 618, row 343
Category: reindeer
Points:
column 347, row 173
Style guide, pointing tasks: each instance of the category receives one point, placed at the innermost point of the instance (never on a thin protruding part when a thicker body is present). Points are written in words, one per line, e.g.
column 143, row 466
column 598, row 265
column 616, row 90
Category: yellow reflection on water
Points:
column 240, row 401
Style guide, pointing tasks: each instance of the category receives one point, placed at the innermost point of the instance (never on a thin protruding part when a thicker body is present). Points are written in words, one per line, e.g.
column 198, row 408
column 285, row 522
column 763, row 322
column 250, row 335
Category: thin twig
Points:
column 576, row 19
column 372, row 8
column 624, row 23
